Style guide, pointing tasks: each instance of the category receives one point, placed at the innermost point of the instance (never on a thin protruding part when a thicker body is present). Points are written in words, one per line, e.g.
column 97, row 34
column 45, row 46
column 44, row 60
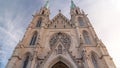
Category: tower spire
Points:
column 47, row 4
column 72, row 4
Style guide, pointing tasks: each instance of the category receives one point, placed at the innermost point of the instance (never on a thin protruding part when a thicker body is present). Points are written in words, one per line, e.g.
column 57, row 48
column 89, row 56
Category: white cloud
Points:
column 103, row 14
column 10, row 34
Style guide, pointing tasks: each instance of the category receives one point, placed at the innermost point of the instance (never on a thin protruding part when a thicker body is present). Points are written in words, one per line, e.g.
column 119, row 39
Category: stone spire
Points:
column 72, row 4
column 47, row 4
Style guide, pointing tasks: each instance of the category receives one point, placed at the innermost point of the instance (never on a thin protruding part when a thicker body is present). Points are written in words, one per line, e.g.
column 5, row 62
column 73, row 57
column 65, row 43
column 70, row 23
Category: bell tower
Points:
column 60, row 43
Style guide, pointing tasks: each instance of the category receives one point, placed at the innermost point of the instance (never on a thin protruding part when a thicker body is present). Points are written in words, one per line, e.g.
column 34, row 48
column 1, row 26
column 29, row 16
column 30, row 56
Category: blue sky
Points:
column 16, row 15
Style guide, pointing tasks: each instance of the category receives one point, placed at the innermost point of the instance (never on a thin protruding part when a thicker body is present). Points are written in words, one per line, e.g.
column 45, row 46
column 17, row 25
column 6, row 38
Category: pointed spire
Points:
column 72, row 4
column 47, row 4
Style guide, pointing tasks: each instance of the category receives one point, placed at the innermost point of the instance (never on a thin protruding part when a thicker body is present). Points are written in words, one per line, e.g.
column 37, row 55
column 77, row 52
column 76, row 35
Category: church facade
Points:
column 60, row 43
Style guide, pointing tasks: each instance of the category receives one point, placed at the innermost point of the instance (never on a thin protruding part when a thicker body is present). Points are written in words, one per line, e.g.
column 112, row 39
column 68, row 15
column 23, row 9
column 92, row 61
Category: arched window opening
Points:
column 55, row 25
column 86, row 37
column 33, row 40
column 59, row 49
column 76, row 12
column 39, row 23
column 26, row 62
column 42, row 12
column 81, row 22
column 94, row 60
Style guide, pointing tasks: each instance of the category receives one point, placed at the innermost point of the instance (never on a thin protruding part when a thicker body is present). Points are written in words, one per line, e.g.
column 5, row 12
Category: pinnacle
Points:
column 47, row 4
column 72, row 4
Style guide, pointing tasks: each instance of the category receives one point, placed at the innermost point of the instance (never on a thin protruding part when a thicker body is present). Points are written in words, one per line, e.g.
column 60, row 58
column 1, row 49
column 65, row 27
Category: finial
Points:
column 47, row 4
column 59, row 11
column 83, row 12
column 72, row 4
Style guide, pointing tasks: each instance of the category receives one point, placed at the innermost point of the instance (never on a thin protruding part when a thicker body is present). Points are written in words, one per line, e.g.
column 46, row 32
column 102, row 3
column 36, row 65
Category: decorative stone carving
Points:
column 60, row 37
column 39, row 62
column 60, row 49
column 60, row 21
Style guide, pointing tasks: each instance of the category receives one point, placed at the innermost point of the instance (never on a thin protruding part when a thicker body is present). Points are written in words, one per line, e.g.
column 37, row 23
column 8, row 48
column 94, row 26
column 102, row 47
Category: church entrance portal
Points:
column 60, row 65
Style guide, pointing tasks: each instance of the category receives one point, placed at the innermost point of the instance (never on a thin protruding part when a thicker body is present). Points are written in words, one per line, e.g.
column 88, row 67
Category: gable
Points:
column 60, row 21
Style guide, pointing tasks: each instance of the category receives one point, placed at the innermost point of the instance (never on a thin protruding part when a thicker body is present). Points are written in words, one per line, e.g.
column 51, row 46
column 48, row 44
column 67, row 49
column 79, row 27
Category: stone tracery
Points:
column 60, row 37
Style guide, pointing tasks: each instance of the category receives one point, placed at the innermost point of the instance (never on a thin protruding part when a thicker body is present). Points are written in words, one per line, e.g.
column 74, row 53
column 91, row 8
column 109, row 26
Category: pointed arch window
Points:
column 94, row 61
column 81, row 22
column 26, row 61
column 43, row 12
column 39, row 22
column 33, row 40
column 86, row 37
column 76, row 12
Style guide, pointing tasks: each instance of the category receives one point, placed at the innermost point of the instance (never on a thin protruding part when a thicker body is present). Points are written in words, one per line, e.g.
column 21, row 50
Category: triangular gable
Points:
column 60, row 21
column 60, row 15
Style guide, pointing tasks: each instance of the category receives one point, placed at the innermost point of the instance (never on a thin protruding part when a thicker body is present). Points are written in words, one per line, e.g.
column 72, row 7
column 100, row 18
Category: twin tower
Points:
column 60, row 43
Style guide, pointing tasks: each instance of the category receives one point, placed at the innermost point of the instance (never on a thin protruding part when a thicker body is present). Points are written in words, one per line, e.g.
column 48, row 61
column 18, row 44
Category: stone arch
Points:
column 33, row 32
column 64, row 38
column 62, row 59
column 95, row 52
column 26, row 60
column 60, row 65
column 27, row 53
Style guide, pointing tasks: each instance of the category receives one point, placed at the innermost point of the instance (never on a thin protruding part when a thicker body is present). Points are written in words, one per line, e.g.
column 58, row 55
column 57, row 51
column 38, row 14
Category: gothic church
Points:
column 60, row 43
